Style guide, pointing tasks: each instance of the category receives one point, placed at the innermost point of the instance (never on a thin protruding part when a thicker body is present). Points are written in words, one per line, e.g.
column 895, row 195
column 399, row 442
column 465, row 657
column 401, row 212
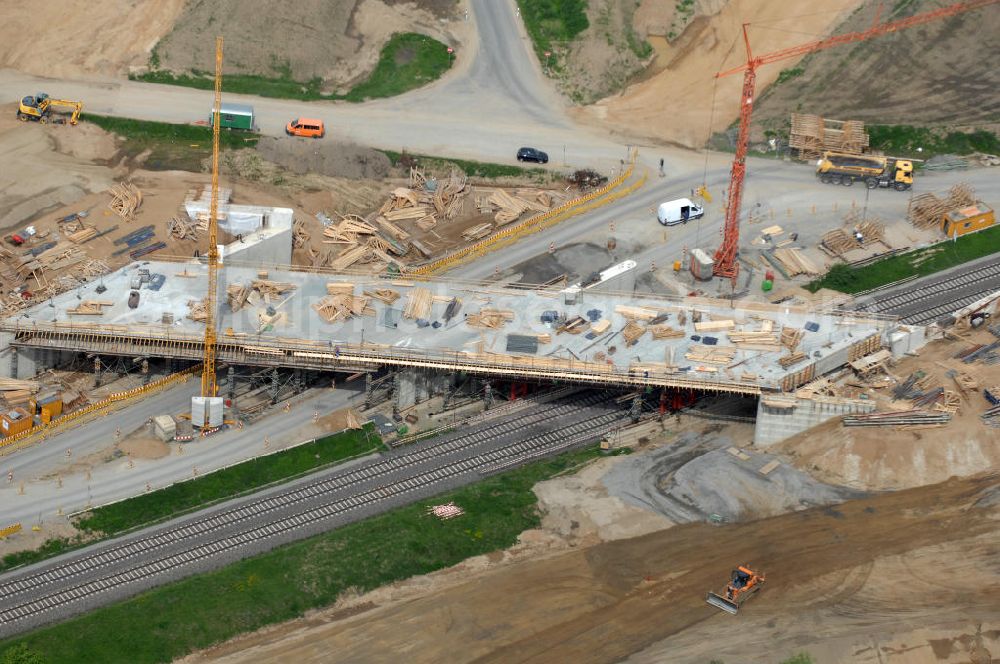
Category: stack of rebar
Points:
column 896, row 418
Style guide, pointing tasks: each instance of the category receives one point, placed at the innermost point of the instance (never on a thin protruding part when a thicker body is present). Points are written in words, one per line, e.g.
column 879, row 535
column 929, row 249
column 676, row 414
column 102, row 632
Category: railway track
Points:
column 936, row 297
column 37, row 595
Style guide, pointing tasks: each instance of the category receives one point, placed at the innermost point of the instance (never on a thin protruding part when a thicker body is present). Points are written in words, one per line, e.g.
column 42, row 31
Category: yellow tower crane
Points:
column 208, row 387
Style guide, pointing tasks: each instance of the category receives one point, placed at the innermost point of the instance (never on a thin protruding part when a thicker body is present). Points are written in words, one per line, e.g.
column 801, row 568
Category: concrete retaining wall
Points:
column 777, row 424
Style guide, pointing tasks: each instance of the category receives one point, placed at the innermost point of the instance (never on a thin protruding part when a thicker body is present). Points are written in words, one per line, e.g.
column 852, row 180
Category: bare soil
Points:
column 82, row 37
column 846, row 584
column 682, row 103
column 883, row 458
column 944, row 72
column 337, row 41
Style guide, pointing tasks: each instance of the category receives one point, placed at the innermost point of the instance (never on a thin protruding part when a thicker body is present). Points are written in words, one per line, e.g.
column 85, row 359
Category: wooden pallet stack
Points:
column 926, row 210
column 632, row 332
column 711, row 354
column 812, row 135
column 126, row 198
column 665, row 332
column 385, row 295
column 182, row 228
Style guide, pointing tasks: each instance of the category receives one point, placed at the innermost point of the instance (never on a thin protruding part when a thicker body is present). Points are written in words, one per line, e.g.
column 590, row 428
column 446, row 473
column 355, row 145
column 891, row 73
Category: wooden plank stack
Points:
column 635, row 313
column 632, row 333
column 665, row 332
column 477, row 232
column 795, row 262
column 794, row 358
column 418, row 304
column 386, row 295
column 791, row 336
column 126, row 198
column 711, row 354
column 90, row 308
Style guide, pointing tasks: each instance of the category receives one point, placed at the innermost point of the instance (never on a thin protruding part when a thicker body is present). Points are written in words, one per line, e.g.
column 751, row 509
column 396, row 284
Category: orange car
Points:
column 308, row 127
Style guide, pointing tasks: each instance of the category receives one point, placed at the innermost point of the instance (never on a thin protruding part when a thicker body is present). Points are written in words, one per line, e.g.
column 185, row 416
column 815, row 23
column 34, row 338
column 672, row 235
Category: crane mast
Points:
column 208, row 386
column 725, row 264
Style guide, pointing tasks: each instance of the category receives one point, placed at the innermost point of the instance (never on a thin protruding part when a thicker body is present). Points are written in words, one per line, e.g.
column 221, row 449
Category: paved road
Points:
column 38, row 467
column 103, row 573
column 494, row 101
column 932, row 298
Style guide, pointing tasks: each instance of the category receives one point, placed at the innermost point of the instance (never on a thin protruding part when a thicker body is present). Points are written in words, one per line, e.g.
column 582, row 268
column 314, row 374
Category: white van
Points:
column 679, row 211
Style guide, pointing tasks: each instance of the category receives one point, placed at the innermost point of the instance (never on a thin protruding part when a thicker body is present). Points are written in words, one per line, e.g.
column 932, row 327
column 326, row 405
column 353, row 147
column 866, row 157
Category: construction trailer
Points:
column 14, row 421
column 235, row 116
column 875, row 171
column 39, row 108
column 967, row 219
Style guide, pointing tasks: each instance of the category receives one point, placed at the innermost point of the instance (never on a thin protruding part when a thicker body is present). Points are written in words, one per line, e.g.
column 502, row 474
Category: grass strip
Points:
column 229, row 482
column 477, row 169
column 920, row 263
column 110, row 520
column 173, row 620
column 906, row 140
column 170, row 146
column 407, row 61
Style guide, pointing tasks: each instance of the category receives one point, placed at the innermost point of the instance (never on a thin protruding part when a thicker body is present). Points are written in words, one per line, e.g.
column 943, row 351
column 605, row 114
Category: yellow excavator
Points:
column 39, row 108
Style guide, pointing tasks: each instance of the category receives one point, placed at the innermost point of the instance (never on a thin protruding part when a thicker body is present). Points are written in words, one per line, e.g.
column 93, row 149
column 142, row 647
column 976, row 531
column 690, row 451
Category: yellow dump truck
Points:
column 874, row 171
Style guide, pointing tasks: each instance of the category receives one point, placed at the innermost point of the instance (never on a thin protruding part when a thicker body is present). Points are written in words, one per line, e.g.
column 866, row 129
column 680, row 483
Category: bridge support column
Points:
column 13, row 361
column 397, row 395
column 145, row 371
column 273, row 386
column 97, row 371
column 487, row 394
column 231, row 383
column 368, row 390
column 636, row 410
column 298, row 385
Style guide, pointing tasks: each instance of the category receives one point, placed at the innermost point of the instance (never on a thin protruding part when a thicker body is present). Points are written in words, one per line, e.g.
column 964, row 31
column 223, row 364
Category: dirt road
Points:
column 841, row 582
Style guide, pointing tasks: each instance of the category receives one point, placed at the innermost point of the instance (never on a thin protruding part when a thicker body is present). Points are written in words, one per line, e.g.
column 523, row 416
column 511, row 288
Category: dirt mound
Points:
column 337, row 41
column 947, row 71
column 327, row 157
column 82, row 36
column 682, row 103
column 881, row 458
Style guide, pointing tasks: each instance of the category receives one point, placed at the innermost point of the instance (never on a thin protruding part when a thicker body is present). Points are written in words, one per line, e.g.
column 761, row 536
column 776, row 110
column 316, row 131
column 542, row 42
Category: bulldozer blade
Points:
column 720, row 602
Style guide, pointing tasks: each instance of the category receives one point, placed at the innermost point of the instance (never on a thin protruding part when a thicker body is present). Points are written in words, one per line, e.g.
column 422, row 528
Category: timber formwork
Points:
column 249, row 350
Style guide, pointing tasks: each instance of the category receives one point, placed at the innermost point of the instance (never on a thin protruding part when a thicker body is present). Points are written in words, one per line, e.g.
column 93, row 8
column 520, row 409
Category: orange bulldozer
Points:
column 743, row 585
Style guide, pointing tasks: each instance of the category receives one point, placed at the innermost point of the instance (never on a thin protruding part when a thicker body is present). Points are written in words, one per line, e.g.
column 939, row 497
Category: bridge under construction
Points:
column 341, row 322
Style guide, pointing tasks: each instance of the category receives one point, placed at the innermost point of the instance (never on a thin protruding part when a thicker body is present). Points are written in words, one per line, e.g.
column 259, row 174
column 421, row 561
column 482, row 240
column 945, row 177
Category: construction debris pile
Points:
column 812, row 135
column 259, row 292
column 126, row 198
column 341, row 303
column 926, row 210
column 364, row 243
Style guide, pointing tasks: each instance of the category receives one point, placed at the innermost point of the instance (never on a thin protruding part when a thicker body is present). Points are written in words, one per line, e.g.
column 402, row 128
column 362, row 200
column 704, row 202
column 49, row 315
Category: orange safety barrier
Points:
column 108, row 401
column 533, row 224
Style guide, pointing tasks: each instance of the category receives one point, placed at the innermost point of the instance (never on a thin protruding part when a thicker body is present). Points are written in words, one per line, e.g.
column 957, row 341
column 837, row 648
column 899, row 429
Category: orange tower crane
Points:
column 208, row 387
column 725, row 264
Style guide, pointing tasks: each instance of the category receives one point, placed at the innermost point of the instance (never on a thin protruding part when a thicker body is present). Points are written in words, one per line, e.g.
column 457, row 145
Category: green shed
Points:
column 234, row 116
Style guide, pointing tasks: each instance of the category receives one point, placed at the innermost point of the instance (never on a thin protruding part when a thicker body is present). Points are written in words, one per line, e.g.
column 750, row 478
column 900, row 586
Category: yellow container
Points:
column 677, row 266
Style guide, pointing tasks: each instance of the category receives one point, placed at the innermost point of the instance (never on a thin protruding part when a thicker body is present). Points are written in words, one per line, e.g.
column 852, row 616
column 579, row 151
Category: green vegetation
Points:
column 552, row 22
column 21, row 654
column 801, row 658
column 170, row 146
column 918, row 263
column 143, row 510
column 477, row 169
column 789, row 74
column 407, row 61
column 904, row 140
column 171, row 621
column 229, row 482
